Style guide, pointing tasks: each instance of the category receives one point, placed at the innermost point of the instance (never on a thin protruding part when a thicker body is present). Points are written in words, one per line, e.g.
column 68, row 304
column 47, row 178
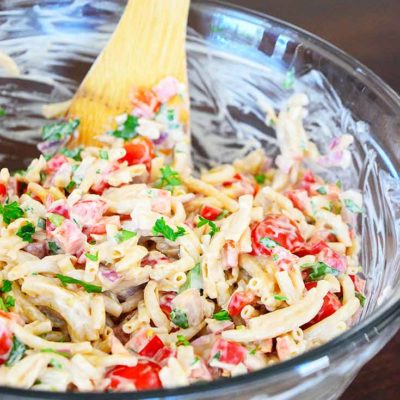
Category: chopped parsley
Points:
column 260, row 179
column 56, row 219
column 182, row 341
column 75, row 153
column 128, row 129
column 217, row 355
column 161, row 227
column 223, row 214
column 18, row 350
column 352, row 207
column 204, row 221
column 25, row 232
column 60, row 353
column 320, row 269
column 339, row 184
column 2, row 112
column 268, row 243
column 43, row 176
column 288, row 83
column 41, row 223
column 103, row 154
column 59, row 130
column 53, row 247
column 11, row 212
column 253, row 351
column 92, row 257
column 280, row 298
column 70, row 187
column 7, row 304
column 124, row 235
column 87, row 286
column 179, row 318
column 169, row 179
column 7, row 286
column 222, row 315
column 361, row 298
column 55, row 363
column 194, row 279
column 321, row 190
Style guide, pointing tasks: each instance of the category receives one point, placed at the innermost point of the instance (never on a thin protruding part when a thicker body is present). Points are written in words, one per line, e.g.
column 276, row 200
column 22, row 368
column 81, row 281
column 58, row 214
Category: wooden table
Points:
column 369, row 30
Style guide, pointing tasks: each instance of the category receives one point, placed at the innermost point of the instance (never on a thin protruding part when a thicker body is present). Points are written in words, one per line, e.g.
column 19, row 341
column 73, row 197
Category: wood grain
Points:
column 369, row 30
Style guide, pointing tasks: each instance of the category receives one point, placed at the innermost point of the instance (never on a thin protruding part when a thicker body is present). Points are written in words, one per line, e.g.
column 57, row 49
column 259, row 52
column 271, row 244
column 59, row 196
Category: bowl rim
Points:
column 370, row 326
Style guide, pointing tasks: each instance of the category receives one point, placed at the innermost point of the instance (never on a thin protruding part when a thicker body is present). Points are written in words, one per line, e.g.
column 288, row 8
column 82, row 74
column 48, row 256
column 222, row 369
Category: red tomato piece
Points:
column 152, row 347
column 166, row 302
column 330, row 305
column 6, row 340
column 307, row 180
column 139, row 151
column 210, row 213
column 99, row 187
column 54, row 164
column 3, row 191
column 239, row 300
column 144, row 376
column 228, row 352
column 278, row 228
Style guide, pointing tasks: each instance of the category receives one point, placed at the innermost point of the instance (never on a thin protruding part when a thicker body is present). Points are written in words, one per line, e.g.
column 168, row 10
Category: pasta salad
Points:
column 122, row 270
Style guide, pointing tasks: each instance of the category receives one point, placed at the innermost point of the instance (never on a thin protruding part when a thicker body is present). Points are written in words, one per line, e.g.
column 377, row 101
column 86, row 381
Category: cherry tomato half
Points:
column 240, row 300
column 3, row 191
column 144, row 375
column 139, row 151
column 210, row 213
column 330, row 305
column 228, row 352
column 280, row 229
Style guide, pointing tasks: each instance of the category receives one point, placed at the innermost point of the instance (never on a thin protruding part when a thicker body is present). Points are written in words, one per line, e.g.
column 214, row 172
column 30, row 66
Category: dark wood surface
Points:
column 369, row 30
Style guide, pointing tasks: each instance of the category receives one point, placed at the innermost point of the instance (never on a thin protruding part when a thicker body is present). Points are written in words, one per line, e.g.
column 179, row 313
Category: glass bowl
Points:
column 237, row 60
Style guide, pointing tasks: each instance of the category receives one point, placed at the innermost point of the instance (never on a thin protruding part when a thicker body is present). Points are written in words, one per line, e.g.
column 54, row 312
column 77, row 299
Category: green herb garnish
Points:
column 18, row 350
column 204, row 221
column 7, row 286
column 25, row 232
column 56, row 219
column 352, row 207
column 124, row 235
column 169, row 179
column 280, row 298
column 92, row 257
column 59, row 130
column 253, row 352
column 194, row 279
column 217, row 355
column 103, row 154
column 222, row 315
column 260, row 179
column 75, row 153
column 360, row 297
column 179, row 318
column 161, row 227
column 321, row 190
column 53, row 247
column 320, row 269
column 223, row 214
column 55, row 363
column 182, row 341
column 11, row 212
column 2, row 112
column 268, row 243
column 70, row 187
column 87, row 286
column 7, row 304
column 128, row 129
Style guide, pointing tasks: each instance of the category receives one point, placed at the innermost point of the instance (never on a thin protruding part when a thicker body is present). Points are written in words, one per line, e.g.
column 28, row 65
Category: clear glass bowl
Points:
column 237, row 58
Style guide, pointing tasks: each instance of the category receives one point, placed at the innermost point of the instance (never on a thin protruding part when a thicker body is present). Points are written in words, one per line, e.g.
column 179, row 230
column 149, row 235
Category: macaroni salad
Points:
column 121, row 270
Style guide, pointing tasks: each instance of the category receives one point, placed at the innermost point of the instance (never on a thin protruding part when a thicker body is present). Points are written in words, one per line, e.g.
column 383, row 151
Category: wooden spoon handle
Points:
column 147, row 45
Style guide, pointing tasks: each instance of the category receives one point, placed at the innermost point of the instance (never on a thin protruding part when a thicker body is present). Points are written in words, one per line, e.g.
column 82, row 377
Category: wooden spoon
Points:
column 147, row 45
